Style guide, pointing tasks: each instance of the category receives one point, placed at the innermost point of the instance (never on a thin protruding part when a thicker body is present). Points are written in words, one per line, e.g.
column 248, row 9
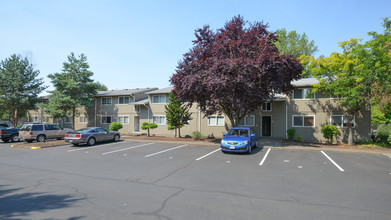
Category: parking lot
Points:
column 146, row 180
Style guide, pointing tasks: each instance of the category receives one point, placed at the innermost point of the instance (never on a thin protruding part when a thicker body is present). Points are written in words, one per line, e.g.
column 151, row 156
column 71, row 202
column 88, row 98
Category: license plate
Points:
column 232, row 147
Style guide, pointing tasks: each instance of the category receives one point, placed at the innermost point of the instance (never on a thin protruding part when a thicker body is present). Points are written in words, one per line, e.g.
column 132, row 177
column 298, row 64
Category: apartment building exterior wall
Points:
column 133, row 107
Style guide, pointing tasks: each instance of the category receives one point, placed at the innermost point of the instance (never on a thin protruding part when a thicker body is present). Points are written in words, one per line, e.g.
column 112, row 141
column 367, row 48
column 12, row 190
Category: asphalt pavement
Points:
column 152, row 180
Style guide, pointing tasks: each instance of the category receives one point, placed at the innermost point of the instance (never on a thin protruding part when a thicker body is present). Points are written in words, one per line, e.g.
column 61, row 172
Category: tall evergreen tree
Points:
column 177, row 114
column 19, row 87
column 73, row 88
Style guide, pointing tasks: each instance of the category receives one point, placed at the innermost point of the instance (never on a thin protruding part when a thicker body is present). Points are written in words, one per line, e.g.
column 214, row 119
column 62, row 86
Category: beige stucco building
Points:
column 303, row 111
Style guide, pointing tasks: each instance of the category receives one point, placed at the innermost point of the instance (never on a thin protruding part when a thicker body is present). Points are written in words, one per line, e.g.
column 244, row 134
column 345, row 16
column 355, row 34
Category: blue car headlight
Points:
column 223, row 142
column 244, row 142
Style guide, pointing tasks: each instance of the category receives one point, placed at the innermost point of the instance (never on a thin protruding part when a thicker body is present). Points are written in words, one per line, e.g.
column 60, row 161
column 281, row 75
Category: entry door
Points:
column 266, row 126
column 136, row 124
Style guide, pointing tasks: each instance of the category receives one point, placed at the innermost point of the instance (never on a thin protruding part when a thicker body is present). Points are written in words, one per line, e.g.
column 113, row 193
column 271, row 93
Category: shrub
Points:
column 384, row 133
column 196, row 135
column 329, row 131
column 291, row 133
column 299, row 139
column 115, row 126
column 148, row 126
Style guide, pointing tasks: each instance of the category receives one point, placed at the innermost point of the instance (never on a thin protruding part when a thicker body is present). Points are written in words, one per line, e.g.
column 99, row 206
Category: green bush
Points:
column 299, row 139
column 329, row 131
column 291, row 133
column 148, row 126
column 384, row 133
column 196, row 135
column 115, row 126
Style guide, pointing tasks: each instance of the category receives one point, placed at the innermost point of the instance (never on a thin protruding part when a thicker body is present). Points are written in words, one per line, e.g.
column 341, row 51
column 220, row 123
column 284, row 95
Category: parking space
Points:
column 170, row 180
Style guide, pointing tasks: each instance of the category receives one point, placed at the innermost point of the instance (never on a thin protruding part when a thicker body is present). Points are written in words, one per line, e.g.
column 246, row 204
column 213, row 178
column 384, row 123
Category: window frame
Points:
column 106, row 98
column 137, row 108
column 123, row 118
column 35, row 119
column 123, row 97
column 68, row 120
column 159, row 116
column 303, row 118
column 303, row 92
column 265, row 110
column 217, row 124
column 342, row 121
column 153, row 102
column 105, row 116
column 85, row 119
column 245, row 121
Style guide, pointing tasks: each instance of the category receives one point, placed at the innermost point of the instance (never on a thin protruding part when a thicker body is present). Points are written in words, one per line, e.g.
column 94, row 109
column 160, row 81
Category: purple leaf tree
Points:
column 234, row 70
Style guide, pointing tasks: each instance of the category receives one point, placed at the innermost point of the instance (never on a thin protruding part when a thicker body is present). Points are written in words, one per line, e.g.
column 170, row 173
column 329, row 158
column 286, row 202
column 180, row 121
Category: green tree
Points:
column 378, row 62
column 115, row 126
column 329, row 131
column 100, row 86
column 177, row 114
column 19, row 88
column 147, row 126
column 343, row 75
column 297, row 45
column 74, row 88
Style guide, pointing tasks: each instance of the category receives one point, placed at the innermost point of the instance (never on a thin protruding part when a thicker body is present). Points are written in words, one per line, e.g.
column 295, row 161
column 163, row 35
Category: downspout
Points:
column 95, row 113
column 199, row 121
column 286, row 119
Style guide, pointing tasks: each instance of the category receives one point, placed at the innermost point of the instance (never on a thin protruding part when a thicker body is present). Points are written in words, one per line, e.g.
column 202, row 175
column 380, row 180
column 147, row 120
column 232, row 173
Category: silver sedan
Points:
column 91, row 135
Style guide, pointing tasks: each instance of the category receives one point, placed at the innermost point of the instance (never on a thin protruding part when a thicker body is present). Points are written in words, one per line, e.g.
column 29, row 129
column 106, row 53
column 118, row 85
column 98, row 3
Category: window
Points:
column 248, row 121
column 159, row 99
column 303, row 121
column 35, row 119
column 123, row 119
column 303, row 94
column 83, row 119
column 106, row 101
column 37, row 128
column 123, row 100
column 68, row 120
column 137, row 108
column 341, row 121
column 216, row 121
column 52, row 127
column 266, row 107
column 106, row 119
column 159, row 120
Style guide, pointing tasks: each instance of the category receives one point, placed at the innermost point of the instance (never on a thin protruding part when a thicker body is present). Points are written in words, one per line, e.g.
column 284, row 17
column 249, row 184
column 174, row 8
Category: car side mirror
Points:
column 225, row 134
column 252, row 135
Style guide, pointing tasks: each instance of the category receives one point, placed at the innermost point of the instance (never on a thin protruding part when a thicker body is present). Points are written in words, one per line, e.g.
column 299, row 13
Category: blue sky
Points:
column 137, row 44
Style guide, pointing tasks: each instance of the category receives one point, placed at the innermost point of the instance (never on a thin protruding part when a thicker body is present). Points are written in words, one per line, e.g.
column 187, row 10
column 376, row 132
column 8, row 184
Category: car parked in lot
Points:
column 239, row 139
column 9, row 134
column 41, row 132
column 91, row 135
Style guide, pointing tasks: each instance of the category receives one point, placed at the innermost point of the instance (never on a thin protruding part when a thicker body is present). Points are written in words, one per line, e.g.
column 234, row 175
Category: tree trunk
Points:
column 179, row 132
column 148, row 132
column 73, row 118
column 350, row 136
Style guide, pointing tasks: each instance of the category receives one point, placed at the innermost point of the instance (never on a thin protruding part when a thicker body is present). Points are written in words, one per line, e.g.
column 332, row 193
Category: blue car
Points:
column 239, row 139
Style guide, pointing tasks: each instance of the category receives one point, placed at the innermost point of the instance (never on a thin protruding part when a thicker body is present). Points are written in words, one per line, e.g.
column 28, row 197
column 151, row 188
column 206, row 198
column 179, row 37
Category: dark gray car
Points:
column 91, row 135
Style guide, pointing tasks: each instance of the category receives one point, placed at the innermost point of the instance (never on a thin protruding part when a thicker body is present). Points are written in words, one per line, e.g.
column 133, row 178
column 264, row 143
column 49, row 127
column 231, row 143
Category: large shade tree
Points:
column 74, row 88
column 234, row 70
column 297, row 45
column 20, row 86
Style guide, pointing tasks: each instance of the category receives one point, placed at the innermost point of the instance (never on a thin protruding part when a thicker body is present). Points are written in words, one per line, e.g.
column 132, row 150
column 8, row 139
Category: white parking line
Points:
column 264, row 158
column 208, row 154
column 128, row 148
column 332, row 161
column 165, row 150
column 87, row 148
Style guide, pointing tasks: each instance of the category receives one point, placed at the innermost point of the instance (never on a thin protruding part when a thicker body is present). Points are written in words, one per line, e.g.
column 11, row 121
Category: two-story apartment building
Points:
column 302, row 110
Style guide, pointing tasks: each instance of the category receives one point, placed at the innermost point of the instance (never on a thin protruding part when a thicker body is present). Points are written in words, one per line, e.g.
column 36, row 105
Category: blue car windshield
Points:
column 238, row 133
